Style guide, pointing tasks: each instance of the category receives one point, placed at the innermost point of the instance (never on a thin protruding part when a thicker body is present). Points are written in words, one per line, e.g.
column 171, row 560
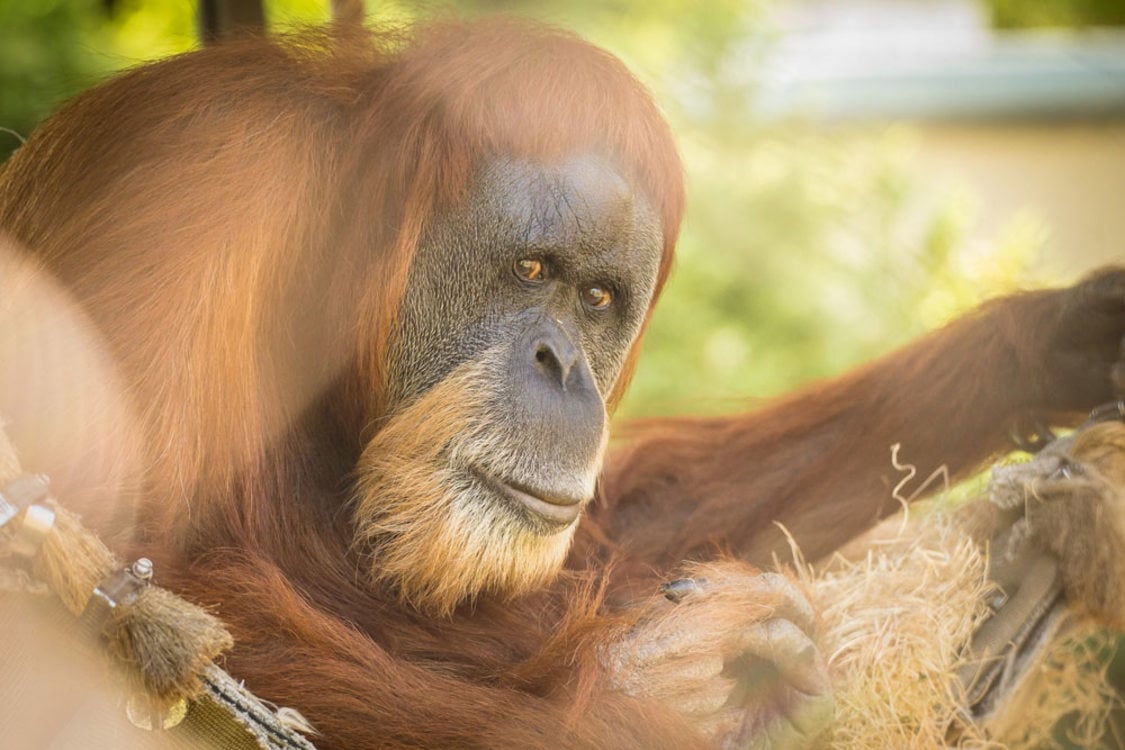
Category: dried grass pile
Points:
column 898, row 619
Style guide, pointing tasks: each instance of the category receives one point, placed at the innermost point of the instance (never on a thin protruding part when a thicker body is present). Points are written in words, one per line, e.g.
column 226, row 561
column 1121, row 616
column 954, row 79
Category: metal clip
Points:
column 120, row 589
column 38, row 520
column 20, row 493
column 1109, row 412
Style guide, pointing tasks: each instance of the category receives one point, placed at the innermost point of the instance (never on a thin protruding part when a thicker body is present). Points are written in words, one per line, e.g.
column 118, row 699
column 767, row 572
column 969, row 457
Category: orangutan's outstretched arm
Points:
column 819, row 461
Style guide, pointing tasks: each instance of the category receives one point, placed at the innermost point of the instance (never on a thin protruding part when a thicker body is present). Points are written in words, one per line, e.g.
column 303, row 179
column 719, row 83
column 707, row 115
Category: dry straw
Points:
column 897, row 620
column 163, row 642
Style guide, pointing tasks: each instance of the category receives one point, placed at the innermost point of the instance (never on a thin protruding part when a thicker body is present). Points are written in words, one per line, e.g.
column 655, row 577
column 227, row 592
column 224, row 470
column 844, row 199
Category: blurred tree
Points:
column 219, row 18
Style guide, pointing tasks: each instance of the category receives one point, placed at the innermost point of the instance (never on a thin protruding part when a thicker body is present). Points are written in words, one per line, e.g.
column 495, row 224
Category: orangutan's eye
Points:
column 596, row 297
column 528, row 269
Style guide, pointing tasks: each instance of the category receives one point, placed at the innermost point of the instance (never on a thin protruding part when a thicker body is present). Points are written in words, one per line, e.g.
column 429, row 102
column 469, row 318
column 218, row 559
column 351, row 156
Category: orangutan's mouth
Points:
column 556, row 511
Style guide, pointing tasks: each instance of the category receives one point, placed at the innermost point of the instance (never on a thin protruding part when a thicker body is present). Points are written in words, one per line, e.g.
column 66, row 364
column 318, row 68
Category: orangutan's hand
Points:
column 1085, row 358
column 731, row 650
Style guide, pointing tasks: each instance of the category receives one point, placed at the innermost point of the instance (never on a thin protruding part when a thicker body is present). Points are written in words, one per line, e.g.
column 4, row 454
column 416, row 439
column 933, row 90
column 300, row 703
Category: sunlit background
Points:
column 858, row 170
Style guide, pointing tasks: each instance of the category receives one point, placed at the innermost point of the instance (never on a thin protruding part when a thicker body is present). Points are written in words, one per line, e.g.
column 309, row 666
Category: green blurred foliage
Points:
column 46, row 56
column 52, row 49
column 804, row 252
column 1025, row 14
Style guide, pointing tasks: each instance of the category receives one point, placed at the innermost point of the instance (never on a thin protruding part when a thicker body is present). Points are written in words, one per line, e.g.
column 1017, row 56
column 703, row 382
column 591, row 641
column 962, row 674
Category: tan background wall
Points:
column 1071, row 175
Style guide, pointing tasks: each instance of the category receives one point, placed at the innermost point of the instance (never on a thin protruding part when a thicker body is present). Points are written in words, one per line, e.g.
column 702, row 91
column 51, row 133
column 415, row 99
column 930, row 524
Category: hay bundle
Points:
column 902, row 622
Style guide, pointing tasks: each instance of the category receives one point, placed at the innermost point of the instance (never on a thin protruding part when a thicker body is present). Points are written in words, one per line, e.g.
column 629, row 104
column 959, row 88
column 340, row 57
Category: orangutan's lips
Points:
column 554, row 509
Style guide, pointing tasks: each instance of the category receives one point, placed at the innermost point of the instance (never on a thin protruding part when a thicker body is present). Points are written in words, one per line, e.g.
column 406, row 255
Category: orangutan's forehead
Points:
column 580, row 206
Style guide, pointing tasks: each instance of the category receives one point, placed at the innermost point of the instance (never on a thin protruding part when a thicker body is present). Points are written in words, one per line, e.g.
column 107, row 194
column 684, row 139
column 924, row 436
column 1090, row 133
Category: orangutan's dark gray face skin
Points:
column 546, row 273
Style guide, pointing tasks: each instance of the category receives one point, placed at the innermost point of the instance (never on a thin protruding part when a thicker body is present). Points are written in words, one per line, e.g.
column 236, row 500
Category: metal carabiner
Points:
column 1107, row 412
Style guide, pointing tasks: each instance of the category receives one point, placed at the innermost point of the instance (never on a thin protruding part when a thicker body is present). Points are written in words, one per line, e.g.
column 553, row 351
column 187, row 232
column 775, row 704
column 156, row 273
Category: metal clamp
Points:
column 38, row 520
column 23, row 498
column 1108, row 412
column 119, row 589
column 20, row 493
